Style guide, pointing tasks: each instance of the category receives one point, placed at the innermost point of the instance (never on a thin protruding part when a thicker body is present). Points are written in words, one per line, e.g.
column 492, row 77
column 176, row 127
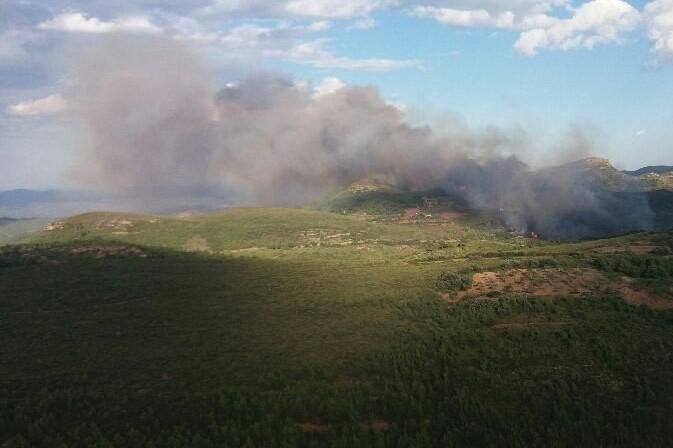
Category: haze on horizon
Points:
column 544, row 80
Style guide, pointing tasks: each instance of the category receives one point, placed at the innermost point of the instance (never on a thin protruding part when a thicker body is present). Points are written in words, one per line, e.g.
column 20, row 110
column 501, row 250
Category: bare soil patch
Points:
column 312, row 428
column 558, row 283
column 642, row 247
column 411, row 213
column 375, row 425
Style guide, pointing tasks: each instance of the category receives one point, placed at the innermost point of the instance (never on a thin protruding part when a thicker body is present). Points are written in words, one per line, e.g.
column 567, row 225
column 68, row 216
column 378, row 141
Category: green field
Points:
column 293, row 327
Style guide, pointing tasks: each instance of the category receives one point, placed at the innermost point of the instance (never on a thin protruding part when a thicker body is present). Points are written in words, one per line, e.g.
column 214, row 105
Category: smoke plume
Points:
column 157, row 127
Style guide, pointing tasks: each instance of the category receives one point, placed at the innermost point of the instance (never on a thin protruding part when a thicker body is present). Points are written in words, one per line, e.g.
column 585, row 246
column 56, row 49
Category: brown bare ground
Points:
column 558, row 283
column 450, row 215
column 312, row 428
column 643, row 247
column 411, row 213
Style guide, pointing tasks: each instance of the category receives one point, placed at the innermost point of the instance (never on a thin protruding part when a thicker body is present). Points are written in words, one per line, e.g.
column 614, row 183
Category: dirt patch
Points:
column 538, row 282
column 312, row 428
column 450, row 215
column 558, row 283
column 642, row 296
column 642, row 247
column 196, row 244
column 411, row 213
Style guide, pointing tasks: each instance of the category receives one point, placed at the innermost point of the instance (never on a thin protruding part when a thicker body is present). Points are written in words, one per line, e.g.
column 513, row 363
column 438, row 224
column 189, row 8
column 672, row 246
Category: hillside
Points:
column 656, row 169
column 295, row 327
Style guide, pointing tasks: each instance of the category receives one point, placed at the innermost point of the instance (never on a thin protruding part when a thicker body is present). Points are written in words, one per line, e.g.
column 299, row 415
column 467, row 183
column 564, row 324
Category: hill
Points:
column 657, row 169
column 296, row 327
column 600, row 173
column 587, row 198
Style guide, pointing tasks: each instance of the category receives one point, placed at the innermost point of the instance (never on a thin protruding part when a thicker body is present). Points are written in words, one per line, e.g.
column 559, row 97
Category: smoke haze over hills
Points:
column 156, row 125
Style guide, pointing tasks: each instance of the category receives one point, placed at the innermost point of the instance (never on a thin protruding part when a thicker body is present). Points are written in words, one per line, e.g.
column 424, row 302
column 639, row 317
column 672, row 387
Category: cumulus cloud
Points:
column 593, row 23
column 328, row 86
column 320, row 25
column 76, row 22
column 50, row 104
column 332, row 8
column 363, row 24
column 471, row 17
column 659, row 18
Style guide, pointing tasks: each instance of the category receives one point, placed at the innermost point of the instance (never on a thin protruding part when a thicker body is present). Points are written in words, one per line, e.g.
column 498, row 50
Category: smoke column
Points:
column 156, row 127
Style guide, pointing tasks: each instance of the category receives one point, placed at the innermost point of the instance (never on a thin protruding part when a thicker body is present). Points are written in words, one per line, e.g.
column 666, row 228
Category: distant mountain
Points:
column 602, row 174
column 656, row 169
column 6, row 221
column 27, row 203
column 24, row 197
column 655, row 177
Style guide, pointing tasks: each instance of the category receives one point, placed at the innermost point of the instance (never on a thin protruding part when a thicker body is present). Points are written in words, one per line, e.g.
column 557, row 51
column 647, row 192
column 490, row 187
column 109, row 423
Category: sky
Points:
column 552, row 69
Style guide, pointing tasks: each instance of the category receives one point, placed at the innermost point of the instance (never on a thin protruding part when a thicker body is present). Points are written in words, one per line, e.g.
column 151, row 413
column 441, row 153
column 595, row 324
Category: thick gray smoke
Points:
column 157, row 128
column 147, row 107
column 556, row 203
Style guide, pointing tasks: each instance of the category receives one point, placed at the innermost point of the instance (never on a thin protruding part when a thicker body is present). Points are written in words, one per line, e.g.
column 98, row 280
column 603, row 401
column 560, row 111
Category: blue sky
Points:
column 546, row 67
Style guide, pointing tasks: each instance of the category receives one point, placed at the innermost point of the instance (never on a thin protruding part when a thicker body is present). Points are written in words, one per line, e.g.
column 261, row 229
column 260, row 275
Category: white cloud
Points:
column 51, row 104
column 76, row 22
column 659, row 19
column 332, row 8
column 593, row 23
column 363, row 24
column 314, row 54
column 320, row 25
column 327, row 86
column 260, row 8
column 466, row 17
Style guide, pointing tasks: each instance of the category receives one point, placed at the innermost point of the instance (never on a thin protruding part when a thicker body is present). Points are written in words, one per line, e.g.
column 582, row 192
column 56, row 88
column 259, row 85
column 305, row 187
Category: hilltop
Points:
column 600, row 173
